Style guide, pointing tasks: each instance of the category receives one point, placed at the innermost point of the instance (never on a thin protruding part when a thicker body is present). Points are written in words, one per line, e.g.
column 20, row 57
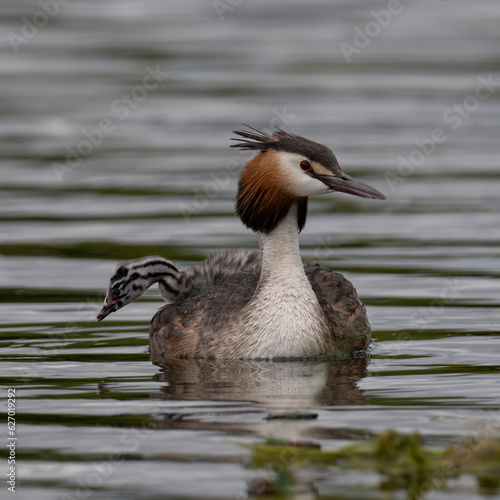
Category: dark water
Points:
column 114, row 127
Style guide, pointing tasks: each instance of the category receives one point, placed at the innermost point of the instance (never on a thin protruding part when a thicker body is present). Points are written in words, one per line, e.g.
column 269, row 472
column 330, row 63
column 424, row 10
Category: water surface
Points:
column 95, row 418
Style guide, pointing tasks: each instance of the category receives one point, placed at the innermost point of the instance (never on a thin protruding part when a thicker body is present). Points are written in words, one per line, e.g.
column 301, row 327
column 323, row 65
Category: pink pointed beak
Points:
column 111, row 304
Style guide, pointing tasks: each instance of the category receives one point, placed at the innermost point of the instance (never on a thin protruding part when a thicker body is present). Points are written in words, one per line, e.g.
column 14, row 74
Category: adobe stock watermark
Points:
column 120, row 109
column 363, row 37
column 324, row 248
column 220, row 179
column 33, row 367
column 423, row 318
column 453, row 118
column 130, row 441
column 259, row 481
column 459, row 454
column 223, row 6
column 32, row 25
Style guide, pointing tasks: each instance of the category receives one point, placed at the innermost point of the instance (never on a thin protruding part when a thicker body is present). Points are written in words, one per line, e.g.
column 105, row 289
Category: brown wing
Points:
column 191, row 327
column 343, row 310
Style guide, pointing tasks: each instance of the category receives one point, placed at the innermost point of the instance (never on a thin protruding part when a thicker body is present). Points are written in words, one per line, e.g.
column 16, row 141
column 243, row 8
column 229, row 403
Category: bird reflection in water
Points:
column 284, row 400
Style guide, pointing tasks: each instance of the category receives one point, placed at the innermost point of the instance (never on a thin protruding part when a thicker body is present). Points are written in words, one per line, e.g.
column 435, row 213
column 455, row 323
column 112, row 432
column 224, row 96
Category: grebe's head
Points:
column 129, row 281
column 288, row 169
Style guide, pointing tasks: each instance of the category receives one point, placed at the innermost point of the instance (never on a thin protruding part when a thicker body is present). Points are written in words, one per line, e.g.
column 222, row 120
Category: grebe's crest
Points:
column 259, row 140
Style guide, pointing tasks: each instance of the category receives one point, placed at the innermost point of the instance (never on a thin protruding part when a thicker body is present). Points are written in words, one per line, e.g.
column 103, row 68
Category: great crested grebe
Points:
column 251, row 305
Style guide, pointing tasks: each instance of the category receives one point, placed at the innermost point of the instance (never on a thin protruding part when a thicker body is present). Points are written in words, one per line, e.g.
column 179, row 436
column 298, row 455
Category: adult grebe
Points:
column 251, row 305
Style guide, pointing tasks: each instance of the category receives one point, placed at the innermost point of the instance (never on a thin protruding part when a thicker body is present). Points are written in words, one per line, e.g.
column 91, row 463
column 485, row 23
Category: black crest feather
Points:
column 256, row 139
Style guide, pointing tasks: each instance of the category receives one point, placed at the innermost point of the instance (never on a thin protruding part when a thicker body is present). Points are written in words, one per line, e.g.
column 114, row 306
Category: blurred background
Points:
column 115, row 120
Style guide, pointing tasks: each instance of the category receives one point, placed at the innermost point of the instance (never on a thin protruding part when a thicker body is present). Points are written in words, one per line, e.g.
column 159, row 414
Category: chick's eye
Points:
column 305, row 165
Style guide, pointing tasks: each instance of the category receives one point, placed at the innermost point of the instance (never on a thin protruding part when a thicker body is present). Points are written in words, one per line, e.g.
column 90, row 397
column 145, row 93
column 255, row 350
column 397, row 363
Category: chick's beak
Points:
column 346, row 184
column 111, row 304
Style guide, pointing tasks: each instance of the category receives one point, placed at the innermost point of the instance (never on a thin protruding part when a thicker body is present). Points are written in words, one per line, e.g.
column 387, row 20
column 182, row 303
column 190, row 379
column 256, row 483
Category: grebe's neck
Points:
column 284, row 318
column 280, row 251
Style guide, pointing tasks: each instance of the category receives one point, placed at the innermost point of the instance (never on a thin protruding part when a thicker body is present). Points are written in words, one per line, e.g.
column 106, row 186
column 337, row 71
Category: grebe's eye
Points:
column 305, row 165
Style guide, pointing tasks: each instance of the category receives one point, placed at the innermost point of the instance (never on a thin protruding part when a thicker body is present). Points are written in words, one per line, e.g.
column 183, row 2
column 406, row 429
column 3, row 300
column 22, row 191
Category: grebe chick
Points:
column 251, row 305
column 131, row 279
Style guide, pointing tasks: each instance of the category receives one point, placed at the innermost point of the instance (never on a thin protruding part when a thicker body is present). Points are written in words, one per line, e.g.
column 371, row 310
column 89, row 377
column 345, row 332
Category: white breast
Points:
column 284, row 318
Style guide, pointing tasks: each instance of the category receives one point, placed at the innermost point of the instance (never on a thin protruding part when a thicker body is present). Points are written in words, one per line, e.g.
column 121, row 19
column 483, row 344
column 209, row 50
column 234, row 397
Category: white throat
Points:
column 284, row 316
